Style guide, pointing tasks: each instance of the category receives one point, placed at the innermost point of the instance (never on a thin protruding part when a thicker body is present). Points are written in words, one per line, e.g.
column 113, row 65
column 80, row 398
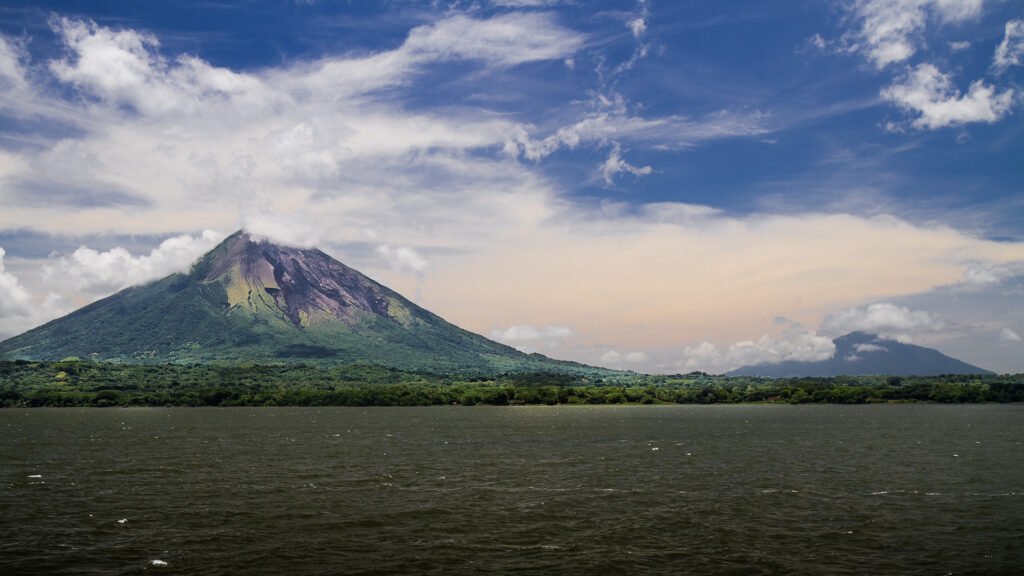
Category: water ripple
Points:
column 568, row 490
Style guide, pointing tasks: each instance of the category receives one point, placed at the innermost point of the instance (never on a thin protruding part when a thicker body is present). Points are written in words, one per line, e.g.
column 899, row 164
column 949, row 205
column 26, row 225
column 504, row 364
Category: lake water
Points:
column 880, row 489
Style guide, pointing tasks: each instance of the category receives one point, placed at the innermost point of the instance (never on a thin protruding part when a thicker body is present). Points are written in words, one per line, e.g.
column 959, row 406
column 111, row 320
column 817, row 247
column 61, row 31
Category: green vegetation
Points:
column 73, row 382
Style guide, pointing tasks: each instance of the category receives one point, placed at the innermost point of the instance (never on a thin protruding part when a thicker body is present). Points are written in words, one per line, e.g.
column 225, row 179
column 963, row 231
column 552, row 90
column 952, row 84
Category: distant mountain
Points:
column 859, row 353
column 249, row 300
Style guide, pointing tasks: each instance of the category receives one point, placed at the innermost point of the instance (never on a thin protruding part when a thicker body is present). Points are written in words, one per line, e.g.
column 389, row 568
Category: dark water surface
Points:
column 885, row 489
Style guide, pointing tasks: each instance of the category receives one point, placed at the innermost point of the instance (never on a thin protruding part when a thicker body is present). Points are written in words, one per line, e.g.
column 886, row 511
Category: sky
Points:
column 648, row 185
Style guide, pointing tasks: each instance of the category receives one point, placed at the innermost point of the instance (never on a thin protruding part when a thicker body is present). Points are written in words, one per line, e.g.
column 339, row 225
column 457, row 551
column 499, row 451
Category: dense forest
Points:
column 85, row 383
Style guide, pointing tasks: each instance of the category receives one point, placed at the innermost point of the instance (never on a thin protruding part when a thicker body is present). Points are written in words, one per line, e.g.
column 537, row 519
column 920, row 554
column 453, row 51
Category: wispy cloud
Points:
column 527, row 3
column 615, row 164
column 612, row 121
column 12, row 73
column 637, row 24
column 505, row 40
column 1010, row 51
column 889, row 31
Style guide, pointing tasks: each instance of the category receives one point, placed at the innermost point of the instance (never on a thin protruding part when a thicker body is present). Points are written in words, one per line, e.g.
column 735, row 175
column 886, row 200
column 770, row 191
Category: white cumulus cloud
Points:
column 124, row 67
column 403, row 258
column 882, row 318
column 1010, row 51
column 529, row 333
column 281, row 228
column 14, row 299
column 931, row 95
column 19, row 311
column 616, row 360
column 636, row 357
column 94, row 271
column 985, row 275
column 637, row 26
column 528, row 338
column 638, row 23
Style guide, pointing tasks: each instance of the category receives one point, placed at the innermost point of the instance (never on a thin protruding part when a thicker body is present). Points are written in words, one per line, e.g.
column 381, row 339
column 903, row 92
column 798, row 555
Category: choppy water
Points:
column 886, row 489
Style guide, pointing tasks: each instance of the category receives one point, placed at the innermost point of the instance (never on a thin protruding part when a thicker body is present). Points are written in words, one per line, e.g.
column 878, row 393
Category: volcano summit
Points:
column 252, row 300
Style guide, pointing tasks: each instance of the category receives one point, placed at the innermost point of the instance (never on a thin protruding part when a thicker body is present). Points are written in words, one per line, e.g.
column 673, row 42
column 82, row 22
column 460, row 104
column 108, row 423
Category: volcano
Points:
column 861, row 353
column 250, row 300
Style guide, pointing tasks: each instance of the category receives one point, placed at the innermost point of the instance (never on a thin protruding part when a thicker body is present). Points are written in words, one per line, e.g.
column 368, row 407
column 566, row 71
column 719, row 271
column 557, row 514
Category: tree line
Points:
column 85, row 383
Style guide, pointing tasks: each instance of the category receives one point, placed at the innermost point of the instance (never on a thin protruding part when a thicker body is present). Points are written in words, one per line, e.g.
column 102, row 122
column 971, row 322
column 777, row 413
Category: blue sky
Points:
column 662, row 186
